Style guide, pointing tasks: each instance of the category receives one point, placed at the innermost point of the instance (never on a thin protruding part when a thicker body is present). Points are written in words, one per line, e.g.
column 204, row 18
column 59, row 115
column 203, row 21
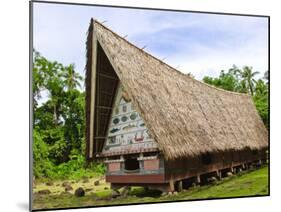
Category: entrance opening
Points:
column 132, row 165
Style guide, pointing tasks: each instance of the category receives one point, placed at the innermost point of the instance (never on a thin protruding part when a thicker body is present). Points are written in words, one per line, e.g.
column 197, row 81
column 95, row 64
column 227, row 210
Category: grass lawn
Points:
column 244, row 184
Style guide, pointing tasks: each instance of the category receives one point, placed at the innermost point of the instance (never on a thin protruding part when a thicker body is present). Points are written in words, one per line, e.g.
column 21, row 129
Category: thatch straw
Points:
column 184, row 116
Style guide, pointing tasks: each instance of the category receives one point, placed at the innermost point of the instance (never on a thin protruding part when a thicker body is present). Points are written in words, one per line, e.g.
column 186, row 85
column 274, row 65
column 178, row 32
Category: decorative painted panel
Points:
column 126, row 131
column 152, row 164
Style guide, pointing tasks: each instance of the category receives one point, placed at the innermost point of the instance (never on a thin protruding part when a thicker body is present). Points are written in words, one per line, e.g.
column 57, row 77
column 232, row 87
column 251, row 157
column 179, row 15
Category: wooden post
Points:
column 179, row 186
column 172, row 185
column 218, row 174
column 198, row 181
column 93, row 92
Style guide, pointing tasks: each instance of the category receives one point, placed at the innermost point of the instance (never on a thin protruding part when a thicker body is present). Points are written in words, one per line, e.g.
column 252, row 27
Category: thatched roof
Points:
column 184, row 116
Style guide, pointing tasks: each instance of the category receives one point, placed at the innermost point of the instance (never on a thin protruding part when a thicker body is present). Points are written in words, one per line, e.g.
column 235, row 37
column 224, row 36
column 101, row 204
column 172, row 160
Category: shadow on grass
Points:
column 141, row 192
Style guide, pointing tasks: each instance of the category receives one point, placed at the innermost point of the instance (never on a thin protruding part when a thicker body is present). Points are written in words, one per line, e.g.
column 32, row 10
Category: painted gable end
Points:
column 127, row 131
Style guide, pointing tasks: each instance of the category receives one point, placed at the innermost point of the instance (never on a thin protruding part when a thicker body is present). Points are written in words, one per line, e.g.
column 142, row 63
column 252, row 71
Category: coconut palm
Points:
column 261, row 88
column 247, row 76
column 72, row 78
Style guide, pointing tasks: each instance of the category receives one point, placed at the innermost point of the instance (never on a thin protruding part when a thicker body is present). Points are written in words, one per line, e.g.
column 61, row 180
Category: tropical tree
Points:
column 59, row 119
column 226, row 80
column 261, row 89
column 71, row 78
column 266, row 76
column 247, row 78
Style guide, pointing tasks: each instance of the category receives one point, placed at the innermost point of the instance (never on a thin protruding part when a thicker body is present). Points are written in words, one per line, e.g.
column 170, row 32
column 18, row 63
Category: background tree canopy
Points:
column 59, row 121
column 59, row 117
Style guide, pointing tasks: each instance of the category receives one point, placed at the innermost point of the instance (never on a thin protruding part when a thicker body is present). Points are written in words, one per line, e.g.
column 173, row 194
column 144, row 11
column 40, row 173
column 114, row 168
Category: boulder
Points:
column 65, row 193
column 85, row 180
column 50, row 183
column 229, row 174
column 88, row 189
column 125, row 191
column 164, row 193
column 115, row 193
column 44, row 192
column 68, row 188
column 212, row 179
column 79, row 192
column 64, row 184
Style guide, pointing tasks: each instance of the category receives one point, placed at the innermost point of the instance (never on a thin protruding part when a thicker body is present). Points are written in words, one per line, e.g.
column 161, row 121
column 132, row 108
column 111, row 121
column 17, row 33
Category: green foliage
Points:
column 227, row 81
column 59, row 124
column 261, row 100
column 42, row 166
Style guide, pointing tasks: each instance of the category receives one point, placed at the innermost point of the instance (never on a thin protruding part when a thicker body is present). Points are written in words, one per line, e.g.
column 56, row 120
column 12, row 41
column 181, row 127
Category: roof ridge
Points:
column 173, row 69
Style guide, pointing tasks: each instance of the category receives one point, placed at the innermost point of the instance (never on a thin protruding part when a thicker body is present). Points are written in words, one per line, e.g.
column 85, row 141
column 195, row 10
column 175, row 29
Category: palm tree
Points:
column 247, row 76
column 72, row 78
column 266, row 76
column 261, row 88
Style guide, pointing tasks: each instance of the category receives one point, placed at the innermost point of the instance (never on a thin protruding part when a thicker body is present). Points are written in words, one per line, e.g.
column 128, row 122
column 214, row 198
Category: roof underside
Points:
column 184, row 116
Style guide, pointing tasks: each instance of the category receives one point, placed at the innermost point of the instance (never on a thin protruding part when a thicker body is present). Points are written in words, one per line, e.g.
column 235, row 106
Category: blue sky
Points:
column 202, row 44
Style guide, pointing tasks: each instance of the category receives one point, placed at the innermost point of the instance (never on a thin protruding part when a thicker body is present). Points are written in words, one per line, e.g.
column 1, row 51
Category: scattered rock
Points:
column 85, row 180
column 125, row 191
column 64, row 184
column 50, row 183
column 79, row 192
column 102, row 178
column 96, row 183
column 65, row 193
column 45, row 191
column 229, row 174
column 164, row 193
column 68, row 188
column 193, row 185
column 212, row 179
column 58, row 184
column 88, row 189
column 115, row 193
column 105, row 188
column 72, row 182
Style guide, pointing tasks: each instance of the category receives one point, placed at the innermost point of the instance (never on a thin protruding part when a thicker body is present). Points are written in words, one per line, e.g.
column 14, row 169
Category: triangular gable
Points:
column 127, row 132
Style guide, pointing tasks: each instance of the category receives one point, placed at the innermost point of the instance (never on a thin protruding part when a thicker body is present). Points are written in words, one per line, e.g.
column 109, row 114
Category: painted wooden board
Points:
column 126, row 131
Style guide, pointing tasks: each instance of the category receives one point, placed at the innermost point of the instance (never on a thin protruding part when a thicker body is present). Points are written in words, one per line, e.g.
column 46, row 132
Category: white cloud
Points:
column 60, row 34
